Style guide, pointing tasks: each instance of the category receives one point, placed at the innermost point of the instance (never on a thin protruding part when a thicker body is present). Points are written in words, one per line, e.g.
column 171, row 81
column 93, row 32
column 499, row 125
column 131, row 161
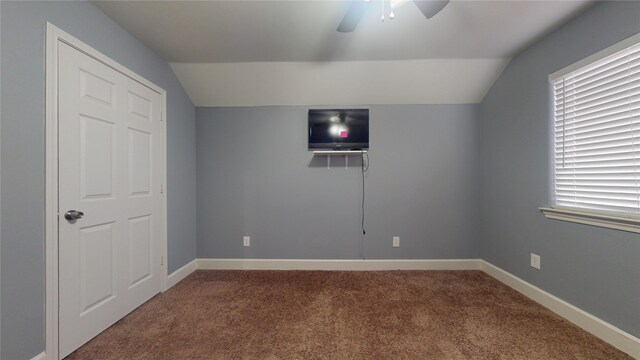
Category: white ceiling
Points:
column 426, row 81
column 223, row 52
column 236, row 31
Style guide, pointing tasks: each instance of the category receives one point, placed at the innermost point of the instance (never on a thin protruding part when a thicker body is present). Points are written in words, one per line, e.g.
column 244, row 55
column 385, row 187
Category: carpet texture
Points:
column 343, row 315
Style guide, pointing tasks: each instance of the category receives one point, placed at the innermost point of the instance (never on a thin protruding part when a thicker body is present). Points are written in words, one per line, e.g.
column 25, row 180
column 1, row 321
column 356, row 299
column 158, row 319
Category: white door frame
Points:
column 53, row 36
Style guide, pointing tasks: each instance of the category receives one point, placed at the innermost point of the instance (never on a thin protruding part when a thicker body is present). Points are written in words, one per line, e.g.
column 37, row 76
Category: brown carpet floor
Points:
column 343, row 315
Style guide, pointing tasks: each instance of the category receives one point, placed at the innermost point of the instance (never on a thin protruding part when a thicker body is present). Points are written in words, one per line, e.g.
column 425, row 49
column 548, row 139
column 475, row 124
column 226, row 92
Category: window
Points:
column 596, row 138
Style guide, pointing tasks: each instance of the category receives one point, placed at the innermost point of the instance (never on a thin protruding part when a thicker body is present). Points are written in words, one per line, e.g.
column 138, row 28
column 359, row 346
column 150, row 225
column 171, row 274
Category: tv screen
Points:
column 339, row 129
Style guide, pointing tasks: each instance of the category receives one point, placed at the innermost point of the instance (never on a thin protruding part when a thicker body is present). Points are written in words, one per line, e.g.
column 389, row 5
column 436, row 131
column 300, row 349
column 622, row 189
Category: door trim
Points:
column 54, row 35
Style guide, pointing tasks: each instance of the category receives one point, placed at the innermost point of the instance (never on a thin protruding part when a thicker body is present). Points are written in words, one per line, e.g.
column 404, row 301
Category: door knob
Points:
column 73, row 215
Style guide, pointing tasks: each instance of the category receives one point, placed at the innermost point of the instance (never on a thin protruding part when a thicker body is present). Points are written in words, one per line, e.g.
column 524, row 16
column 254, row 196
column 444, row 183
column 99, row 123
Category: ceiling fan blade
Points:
column 353, row 16
column 430, row 8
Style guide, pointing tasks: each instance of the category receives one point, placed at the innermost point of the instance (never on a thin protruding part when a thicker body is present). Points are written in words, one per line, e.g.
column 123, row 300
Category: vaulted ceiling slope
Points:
column 220, row 49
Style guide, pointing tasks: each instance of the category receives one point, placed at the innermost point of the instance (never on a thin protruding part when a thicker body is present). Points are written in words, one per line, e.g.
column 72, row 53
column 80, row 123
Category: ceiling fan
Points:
column 429, row 9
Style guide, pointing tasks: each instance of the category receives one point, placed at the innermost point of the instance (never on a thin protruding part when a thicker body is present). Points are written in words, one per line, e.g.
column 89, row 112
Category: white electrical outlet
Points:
column 246, row 240
column 535, row 261
column 396, row 241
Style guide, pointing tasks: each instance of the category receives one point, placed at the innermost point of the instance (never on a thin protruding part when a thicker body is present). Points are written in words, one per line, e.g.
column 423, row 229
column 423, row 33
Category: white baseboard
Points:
column 40, row 356
column 600, row 328
column 180, row 274
column 344, row 265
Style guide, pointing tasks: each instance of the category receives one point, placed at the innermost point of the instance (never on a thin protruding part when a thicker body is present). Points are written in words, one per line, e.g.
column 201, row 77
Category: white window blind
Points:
column 597, row 135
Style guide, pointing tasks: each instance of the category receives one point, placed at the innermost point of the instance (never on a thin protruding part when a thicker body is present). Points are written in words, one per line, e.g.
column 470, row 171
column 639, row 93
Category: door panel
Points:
column 110, row 168
column 140, row 246
column 97, row 157
column 93, row 87
column 140, row 106
column 97, row 268
column 139, row 162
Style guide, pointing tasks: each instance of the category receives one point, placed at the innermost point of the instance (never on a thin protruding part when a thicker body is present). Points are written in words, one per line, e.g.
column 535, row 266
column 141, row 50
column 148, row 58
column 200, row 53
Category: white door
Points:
column 110, row 169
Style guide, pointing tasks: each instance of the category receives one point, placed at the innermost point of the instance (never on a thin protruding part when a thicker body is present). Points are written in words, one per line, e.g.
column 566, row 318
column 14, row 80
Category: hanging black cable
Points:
column 364, row 170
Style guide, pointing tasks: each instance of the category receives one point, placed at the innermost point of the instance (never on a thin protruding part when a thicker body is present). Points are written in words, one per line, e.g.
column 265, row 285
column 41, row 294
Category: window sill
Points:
column 620, row 222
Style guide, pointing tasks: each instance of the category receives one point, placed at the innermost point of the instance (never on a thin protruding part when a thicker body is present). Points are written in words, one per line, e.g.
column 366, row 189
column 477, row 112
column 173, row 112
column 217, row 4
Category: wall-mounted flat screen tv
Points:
column 339, row 129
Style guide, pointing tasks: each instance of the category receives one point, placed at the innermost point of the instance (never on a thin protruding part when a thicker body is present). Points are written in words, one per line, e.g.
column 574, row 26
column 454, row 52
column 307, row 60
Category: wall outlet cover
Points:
column 535, row 261
column 246, row 241
column 396, row 241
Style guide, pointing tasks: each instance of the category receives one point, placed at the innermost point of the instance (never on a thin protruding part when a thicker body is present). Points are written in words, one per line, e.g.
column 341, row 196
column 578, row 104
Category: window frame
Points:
column 607, row 219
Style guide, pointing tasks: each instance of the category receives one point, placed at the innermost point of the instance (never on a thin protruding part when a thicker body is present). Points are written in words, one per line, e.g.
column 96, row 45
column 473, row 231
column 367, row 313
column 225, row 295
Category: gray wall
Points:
column 256, row 177
column 594, row 268
column 22, row 149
